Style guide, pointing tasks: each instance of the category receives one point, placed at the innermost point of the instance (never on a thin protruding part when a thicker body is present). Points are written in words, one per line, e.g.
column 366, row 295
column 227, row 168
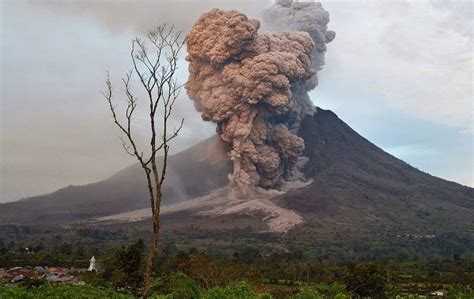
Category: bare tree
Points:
column 156, row 71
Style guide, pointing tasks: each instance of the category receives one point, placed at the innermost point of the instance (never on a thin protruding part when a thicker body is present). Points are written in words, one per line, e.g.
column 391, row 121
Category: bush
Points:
column 306, row 294
column 62, row 292
column 239, row 290
column 365, row 280
column 183, row 287
column 321, row 291
column 460, row 292
column 331, row 290
column 125, row 269
column 32, row 283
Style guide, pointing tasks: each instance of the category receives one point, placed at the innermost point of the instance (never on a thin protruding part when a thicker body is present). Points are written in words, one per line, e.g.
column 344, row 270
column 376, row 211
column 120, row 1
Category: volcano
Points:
column 354, row 187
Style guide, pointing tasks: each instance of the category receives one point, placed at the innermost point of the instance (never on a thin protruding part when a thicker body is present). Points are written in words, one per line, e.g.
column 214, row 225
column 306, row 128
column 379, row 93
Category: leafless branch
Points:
column 155, row 62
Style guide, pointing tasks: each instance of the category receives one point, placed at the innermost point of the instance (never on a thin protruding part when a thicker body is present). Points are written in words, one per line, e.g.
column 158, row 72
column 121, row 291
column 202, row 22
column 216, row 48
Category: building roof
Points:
column 60, row 278
column 26, row 273
column 56, row 270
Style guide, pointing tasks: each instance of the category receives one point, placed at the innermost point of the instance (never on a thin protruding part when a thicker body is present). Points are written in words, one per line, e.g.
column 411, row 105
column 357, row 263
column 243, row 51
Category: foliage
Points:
column 306, row 294
column 332, row 290
column 196, row 273
column 32, row 283
column 459, row 292
column 240, row 290
column 61, row 292
column 125, row 269
column 46, row 242
column 365, row 280
column 182, row 287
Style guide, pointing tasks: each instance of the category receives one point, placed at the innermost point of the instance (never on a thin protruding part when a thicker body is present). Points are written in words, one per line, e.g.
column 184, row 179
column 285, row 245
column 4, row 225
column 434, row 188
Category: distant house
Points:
column 439, row 293
column 57, row 274
column 51, row 274
column 56, row 270
column 17, row 278
column 63, row 277
column 18, row 274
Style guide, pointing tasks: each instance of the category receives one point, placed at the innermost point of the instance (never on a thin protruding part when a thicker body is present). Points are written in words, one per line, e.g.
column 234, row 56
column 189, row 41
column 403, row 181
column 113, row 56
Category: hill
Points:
column 125, row 190
column 358, row 186
column 357, row 190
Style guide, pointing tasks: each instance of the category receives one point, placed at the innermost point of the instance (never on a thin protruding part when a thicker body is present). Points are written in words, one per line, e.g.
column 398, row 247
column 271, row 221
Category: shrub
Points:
column 331, row 290
column 240, row 290
column 61, row 291
column 365, row 280
column 183, row 287
column 306, row 294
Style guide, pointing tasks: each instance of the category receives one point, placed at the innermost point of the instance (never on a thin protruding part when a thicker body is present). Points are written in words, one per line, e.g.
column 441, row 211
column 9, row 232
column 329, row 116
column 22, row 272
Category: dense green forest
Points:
column 337, row 246
column 246, row 273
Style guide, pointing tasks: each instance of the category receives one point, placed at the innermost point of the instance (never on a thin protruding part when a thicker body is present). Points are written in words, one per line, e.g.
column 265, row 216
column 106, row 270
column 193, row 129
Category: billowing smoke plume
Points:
column 254, row 87
column 288, row 15
column 310, row 17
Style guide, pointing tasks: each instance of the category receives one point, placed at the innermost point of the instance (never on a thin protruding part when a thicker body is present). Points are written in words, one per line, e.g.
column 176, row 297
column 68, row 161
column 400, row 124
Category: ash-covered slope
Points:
column 357, row 190
column 191, row 173
column 356, row 186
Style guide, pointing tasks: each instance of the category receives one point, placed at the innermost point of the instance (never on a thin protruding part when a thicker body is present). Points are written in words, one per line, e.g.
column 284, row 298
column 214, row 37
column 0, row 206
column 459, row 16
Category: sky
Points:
column 398, row 72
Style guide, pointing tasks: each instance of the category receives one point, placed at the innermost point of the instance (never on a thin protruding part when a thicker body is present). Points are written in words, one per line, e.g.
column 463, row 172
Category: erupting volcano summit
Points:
column 255, row 86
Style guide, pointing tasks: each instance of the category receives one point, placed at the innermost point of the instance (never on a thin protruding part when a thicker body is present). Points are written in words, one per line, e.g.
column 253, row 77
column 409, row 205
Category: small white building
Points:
column 92, row 265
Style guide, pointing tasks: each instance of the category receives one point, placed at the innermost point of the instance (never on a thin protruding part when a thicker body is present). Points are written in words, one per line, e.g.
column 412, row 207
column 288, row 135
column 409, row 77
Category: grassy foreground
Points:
column 241, row 290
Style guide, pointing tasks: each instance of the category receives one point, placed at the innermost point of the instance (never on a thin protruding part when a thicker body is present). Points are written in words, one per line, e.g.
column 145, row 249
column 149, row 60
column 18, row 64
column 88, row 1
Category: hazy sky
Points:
column 399, row 73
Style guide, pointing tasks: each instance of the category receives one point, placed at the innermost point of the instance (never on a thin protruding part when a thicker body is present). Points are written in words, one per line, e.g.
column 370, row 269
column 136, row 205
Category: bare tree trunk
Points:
column 158, row 79
column 151, row 254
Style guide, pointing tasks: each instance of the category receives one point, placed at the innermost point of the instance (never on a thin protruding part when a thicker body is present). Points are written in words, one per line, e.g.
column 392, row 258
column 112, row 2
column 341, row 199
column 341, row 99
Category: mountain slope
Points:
column 126, row 190
column 356, row 184
column 356, row 188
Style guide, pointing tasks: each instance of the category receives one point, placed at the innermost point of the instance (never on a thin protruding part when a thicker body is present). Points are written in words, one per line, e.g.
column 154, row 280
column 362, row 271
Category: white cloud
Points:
column 416, row 55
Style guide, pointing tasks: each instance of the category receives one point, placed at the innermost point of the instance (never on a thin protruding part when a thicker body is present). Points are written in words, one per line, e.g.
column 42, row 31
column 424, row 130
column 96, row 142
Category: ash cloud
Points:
column 310, row 17
column 254, row 86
